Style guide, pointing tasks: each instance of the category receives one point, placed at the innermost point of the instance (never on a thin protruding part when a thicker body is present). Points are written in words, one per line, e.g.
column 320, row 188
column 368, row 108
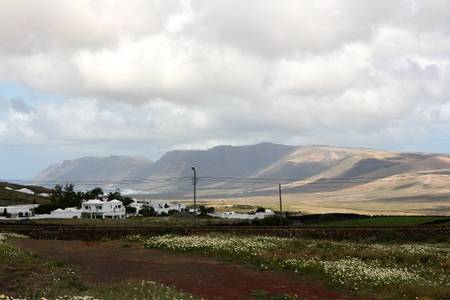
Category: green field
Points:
column 360, row 270
column 180, row 220
column 28, row 277
column 384, row 221
column 184, row 220
column 364, row 270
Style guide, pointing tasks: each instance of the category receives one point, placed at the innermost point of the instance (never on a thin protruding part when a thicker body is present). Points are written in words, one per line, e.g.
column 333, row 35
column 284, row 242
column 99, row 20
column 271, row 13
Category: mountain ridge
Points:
column 311, row 168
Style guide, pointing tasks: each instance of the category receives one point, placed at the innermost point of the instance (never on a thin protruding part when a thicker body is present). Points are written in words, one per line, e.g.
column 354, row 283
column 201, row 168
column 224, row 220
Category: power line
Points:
column 253, row 180
column 123, row 181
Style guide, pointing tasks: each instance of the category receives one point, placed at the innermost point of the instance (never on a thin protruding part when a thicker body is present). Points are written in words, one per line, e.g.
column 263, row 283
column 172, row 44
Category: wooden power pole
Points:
column 281, row 204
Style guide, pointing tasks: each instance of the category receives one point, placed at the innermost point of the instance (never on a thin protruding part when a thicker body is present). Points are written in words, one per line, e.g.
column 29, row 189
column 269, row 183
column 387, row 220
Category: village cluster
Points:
column 93, row 209
column 102, row 208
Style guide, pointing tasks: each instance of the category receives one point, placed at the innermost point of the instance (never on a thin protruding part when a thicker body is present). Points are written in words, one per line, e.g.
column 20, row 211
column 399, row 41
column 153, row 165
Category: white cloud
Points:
column 53, row 25
column 203, row 72
column 159, row 67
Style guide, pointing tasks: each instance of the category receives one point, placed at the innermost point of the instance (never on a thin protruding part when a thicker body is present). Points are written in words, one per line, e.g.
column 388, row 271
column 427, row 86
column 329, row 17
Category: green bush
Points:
column 147, row 211
column 46, row 208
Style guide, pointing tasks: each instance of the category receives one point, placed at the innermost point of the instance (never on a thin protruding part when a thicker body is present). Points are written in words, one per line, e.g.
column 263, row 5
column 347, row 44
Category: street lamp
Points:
column 195, row 190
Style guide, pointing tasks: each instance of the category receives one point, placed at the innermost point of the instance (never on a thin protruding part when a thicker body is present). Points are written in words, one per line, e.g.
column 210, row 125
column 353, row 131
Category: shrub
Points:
column 260, row 209
column 130, row 210
column 147, row 211
column 46, row 208
column 272, row 221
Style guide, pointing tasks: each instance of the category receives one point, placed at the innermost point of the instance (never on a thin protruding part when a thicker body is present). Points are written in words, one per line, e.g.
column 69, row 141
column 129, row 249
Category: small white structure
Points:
column 98, row 209
column 243, row 216
column 18, row 211
column 164, row 207
column 192, row 211
column 159, row 206
column 25, row 191
column 68, row 213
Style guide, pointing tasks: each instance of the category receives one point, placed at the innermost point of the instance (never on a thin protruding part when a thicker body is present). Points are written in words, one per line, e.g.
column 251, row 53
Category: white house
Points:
column 19, row 211
column 98, row 209
column 164, row 206
column 242, row 216
column 159, row 206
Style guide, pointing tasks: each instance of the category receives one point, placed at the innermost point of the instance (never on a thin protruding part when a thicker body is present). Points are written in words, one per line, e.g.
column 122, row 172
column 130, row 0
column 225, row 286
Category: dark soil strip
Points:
column 111, row 262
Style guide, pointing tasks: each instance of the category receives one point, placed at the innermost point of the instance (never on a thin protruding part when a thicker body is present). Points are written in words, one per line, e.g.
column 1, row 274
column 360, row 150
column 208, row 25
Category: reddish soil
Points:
column 111, row 262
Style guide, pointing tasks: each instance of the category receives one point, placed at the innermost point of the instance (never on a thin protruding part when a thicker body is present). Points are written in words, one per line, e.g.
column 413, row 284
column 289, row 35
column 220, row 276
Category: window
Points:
column 86, row 207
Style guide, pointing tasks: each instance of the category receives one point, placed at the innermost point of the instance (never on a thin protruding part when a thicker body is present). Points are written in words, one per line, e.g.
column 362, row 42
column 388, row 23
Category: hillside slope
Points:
column 229, row 161
column 94, row 168
column 10, row 194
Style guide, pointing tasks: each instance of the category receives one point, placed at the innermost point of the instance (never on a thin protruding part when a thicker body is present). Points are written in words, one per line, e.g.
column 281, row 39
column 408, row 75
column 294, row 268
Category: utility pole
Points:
column 281, row 204
column 195, row 192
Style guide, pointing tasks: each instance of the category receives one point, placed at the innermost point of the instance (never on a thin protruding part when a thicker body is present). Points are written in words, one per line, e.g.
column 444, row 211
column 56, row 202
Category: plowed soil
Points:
column 111, row 262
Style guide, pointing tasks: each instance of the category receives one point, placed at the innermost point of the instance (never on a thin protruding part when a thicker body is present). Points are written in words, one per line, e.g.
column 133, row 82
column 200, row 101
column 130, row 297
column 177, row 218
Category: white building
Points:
column 243, row 216
column 97, row 209
column 159, row 206
column 68, row 213
column 19, row 211
column 164, row 207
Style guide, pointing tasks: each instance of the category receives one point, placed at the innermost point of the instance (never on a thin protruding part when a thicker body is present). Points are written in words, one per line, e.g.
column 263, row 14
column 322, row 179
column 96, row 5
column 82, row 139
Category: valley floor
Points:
column 338, row 202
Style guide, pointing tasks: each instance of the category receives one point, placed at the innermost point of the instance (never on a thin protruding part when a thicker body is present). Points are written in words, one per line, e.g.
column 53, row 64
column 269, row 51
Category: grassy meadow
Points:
column 364, row 269
column 387, row 221
column 182, row 220
column 26, row 276
column 186, row 220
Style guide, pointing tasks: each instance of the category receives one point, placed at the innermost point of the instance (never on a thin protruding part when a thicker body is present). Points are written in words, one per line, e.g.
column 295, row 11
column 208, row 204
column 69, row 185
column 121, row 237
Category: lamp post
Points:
column 195, row 191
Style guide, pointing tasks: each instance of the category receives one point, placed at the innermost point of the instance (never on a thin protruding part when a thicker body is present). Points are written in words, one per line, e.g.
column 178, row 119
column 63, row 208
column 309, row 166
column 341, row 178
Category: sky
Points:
column 104, row 77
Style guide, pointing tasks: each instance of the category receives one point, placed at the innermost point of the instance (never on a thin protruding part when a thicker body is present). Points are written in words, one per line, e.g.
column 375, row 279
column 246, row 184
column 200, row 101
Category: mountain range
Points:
column 301, row 169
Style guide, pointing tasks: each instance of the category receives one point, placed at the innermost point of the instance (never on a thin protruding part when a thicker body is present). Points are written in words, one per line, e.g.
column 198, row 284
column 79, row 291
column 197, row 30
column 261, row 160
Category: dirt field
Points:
column 335, row 202
column 111, row 262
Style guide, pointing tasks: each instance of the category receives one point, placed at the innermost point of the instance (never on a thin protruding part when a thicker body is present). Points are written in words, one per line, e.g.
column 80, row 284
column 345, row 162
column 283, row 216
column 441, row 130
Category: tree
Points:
column 130, row 210
column 57, row 194
column 116, row 195
column 44, row 209
column 260, row 209
column 92, row 194
column 66, row 196
column 172, row 212
column 96, row 192
column 147, row 211
column 70, row 198
column 127, row 201
column 206, row 210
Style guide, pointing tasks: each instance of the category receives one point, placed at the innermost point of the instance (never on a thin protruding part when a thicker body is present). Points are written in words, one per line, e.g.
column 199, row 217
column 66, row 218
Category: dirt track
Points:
column 110, row 262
